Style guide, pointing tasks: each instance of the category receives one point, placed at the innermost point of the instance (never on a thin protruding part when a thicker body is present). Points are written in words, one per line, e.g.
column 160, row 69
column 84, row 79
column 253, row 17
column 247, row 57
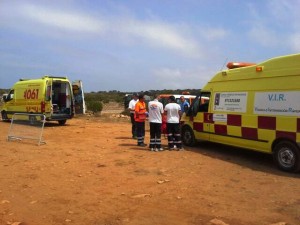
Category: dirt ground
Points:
column 90, row 172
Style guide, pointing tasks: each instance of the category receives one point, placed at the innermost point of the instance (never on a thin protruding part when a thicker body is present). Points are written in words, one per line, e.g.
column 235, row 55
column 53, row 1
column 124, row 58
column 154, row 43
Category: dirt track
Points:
column 90, row 172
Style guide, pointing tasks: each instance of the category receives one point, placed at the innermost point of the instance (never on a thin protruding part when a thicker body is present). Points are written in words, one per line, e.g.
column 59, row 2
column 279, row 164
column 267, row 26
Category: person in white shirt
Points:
column 155, row 109
column 173, row 112
column 131, row 108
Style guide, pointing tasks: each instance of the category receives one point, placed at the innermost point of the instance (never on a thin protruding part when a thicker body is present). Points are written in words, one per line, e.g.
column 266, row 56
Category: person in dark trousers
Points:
column 140, row 116
column 156, row 110
column 173, row 112
column 131, row 108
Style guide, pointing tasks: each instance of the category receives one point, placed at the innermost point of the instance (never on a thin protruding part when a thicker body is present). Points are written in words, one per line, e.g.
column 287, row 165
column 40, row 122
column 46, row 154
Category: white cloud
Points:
column 262, row 35
column 294, row 41
column 260, row 30
column 164, row 35
column 41, row 19
column 214, row 33
column 164, row 78
column 283, row 10
column 279, row 25
column 62, row 19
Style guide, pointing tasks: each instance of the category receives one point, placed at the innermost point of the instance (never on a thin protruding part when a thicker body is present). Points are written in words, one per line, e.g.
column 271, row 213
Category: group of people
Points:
column 155, row 111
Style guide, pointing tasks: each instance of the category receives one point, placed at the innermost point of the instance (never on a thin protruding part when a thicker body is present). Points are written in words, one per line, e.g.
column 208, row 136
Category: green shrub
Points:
column 126, row 112
column 105, row 101
column 94, row 106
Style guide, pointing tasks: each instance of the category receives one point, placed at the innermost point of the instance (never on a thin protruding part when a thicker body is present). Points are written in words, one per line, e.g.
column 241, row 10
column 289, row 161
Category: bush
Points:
column 105, row 101
column 94, row 106
column 126, row 112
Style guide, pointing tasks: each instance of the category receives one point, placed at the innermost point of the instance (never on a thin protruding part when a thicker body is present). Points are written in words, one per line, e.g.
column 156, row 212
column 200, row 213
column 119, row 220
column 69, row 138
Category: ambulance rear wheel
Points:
column 62, row 122
column 188, row 137
column 287, row 156
column 32, row 120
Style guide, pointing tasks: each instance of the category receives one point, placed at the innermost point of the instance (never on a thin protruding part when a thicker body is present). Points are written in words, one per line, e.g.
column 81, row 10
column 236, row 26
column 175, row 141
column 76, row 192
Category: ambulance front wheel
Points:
column 4, row 116
column 287, row 156
column 188, row 137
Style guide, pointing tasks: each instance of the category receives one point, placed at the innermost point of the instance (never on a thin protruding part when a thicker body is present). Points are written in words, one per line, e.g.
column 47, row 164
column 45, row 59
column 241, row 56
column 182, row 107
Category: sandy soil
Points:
column 90, row 172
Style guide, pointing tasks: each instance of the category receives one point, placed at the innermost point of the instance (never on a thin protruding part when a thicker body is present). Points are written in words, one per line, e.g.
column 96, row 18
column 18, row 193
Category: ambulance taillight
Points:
column 42, row 106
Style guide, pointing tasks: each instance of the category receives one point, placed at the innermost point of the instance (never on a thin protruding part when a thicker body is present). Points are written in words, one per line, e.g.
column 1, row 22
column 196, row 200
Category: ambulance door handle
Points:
column 208, row 117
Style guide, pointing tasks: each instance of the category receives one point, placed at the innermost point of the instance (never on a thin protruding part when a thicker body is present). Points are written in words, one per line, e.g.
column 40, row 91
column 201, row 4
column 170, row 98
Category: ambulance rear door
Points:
column 78, row 97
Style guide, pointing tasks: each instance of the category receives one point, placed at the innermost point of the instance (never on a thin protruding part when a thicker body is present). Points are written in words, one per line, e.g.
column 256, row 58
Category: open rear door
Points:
column 79, row 97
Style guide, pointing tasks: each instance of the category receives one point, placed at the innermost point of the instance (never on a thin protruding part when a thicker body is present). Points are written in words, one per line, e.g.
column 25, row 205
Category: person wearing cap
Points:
column 156, row 111
column 140, row 116
column 131, row 108
column 173, row 112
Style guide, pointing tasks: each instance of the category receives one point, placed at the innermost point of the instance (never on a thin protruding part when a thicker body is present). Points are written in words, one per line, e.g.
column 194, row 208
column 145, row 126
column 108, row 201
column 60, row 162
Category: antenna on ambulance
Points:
column 224, row 64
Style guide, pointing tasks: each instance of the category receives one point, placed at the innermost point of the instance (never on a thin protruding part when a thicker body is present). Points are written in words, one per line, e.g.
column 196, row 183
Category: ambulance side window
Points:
column 10, row 96
column 204, row 102
column 192, row 111
column 199, row 104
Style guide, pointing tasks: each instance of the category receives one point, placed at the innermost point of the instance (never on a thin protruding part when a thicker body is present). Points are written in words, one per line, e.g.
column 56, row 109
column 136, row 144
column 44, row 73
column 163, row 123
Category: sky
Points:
column 141, row 45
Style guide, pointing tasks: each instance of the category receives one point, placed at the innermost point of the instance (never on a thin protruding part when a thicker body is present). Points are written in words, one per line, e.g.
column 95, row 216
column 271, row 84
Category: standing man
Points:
column 131, row 108
column 140, row 116
column 184, row 105
column 156, row 111
column 173, row 111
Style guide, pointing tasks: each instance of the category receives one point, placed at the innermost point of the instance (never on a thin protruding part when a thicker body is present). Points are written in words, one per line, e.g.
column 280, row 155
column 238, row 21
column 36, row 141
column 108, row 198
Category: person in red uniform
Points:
column 140, row 116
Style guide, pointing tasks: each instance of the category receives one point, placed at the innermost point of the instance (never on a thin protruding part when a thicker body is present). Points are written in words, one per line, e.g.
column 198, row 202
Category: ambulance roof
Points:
column 258, row 75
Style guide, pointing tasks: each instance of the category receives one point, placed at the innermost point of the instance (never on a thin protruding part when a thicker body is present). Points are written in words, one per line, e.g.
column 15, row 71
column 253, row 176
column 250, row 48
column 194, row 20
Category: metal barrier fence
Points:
column 27, row 126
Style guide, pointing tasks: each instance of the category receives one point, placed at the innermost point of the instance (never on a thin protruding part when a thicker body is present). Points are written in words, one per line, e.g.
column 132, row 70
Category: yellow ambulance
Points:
column 49, row 95
column 253, row 106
